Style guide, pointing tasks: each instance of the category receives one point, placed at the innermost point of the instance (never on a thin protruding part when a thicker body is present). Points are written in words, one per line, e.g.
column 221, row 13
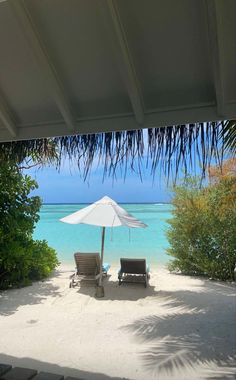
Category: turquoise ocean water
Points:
column 150, row 242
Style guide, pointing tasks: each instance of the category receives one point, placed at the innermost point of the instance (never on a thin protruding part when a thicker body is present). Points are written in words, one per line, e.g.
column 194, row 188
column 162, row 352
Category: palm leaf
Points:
column 40, row 151
column 229, row 136
column 170, row 150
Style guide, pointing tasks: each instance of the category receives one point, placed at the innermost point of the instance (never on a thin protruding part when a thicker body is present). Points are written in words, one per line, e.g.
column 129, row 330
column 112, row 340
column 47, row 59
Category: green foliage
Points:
column 44, row 260
column 21, row 259
column 202, row 233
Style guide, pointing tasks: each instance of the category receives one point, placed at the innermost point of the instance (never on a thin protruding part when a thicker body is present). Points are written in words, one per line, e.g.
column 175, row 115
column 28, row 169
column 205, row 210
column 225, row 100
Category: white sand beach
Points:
column 178, row 328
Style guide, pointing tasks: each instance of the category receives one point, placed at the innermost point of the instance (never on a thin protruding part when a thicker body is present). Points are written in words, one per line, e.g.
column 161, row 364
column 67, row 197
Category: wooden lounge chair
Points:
column 87, row 267
column 133, row 270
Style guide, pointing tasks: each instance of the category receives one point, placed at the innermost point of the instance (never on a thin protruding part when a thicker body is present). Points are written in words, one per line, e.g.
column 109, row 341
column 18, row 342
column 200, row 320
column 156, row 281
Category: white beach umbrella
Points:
column 104, row 213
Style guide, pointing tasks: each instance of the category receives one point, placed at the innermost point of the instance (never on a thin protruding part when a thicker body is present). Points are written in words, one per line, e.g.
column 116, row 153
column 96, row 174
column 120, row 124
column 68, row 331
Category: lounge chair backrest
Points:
column 87, row 263
column 133, row 266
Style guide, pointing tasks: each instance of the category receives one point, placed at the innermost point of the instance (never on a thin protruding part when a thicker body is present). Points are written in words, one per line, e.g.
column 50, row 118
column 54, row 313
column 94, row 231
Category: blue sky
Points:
column 67, row 186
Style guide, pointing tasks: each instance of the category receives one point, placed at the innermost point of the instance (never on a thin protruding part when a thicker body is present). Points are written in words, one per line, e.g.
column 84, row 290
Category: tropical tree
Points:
column 226, row 170
column 202, row 233
column 21, row 258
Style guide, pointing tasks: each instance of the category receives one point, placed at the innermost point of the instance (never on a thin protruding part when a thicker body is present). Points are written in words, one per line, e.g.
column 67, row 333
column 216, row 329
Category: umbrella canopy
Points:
column 104, row 213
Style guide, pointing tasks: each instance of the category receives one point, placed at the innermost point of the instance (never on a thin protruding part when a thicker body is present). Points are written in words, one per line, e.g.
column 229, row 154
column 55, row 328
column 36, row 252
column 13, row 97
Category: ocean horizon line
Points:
column 122, row 203
column 65, row 239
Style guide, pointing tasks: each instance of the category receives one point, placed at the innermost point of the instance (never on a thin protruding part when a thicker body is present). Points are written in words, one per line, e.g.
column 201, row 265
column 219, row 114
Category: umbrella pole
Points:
column 100, row 289
column 102, row 254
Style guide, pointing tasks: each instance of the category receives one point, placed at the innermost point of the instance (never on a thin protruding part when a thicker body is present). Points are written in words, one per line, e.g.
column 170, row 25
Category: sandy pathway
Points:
column 178, row 328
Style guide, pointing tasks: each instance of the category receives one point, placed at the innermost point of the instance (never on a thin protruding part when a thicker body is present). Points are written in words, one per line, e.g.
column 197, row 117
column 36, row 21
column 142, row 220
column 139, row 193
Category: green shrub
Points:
column 21, row 259
column 44, row 260
column 202, row 233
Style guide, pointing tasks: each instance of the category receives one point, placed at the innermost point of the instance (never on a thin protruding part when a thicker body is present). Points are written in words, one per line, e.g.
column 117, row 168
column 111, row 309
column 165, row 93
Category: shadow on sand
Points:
column 54, row 368
column 114, row 292
column 10, row 300
column 189, row 335
column 185, row 335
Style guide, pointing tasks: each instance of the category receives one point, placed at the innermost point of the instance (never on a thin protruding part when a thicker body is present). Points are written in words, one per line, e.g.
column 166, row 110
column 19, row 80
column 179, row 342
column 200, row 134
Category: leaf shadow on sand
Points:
column 189, row 336
column 12, row 299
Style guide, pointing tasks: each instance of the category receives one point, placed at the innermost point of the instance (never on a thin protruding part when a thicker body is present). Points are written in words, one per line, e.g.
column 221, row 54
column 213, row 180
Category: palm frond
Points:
column 38, row 151
column 229, row 136
column 170, row 150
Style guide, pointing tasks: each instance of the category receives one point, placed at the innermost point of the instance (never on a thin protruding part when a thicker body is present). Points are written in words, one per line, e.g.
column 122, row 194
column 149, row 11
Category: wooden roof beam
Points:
column 216, row 54
column 7, row 117
column 125, row 60
column 46, row 65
